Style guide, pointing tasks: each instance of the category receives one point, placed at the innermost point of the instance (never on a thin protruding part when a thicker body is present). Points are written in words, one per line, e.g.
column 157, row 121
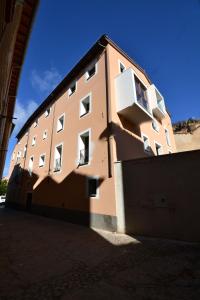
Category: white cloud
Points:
column 22, row 112
column 46, row 81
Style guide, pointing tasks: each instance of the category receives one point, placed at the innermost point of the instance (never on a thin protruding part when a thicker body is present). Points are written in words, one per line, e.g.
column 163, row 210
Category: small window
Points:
column 42, row 160
column 44, row 136
column 93, row 186
column 167, row 137
column 47, row 112
column 18, row 156
column 158, row 149
column 72, row 89
column 121, row 67
column 155, row 125
column 35, row 124
column 84, row 148
column 85, row 106
column 34, row 141
column 60, row 123
column 25, row 150
column 58, row 158
column 30, row 165
column 91, row 72
column 147, row 147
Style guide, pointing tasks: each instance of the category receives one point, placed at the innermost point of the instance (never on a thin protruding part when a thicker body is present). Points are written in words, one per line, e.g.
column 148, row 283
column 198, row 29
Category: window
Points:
column 58, row 158
column 30, row 165
column 93, row 187
column 18, row 156
column 25, row 150
column 85, row 105
column 155, row 125
column 42, row 160
column 141, row 94
column 121, row 67
column 147, row 147
column 158, row 149
column 35, row 123
column 167, row 137
column 44, row 136
column 84, row 148
column 72, row 89
column 47, row 112
column 34, row 141
column 91, row 71
column 60, row 123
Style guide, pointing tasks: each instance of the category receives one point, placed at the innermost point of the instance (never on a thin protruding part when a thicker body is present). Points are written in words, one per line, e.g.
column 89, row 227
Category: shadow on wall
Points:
column 67, row 199
column 128, row 146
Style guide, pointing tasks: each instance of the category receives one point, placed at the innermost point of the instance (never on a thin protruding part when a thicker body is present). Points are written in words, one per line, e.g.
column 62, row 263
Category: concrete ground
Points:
column 41, row 258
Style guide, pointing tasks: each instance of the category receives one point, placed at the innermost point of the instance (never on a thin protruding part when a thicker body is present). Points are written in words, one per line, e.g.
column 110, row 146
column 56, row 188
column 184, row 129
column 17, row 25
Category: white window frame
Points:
column 46, row 112
column 39, row 165
column 161, row 147
column 30, row 170
column 120, row 63
column 70, row 93
column 35, row 124
column 98, row 188
column 157, row 126
column 34, row 138
column 61, row 116
column 44, row 133
column 167, row 136
column 61, row 159
column 90, row 104
column 25, row 150
column 87, row 77
column 78, row 148
column 148, row 151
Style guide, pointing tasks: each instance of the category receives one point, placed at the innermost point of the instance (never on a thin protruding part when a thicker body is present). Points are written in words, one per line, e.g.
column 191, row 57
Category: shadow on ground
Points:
column 41, row 258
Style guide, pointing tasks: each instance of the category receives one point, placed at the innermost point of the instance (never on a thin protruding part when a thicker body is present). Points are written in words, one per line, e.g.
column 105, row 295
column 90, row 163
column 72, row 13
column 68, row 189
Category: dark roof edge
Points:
column 97, row 48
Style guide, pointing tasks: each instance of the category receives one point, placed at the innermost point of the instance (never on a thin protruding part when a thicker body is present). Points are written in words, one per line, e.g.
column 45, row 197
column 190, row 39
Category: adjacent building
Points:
column 16, row 19
column 105, row 110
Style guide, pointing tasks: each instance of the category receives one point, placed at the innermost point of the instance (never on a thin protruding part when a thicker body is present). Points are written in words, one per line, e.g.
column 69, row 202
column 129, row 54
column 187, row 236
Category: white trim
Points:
column 57, row 172
column 30, row 170
column 167, row 137
column 43, row 154
column 98, row 187
column 90, row 66
column 49, row 108
column 34, row 137
column 121, row 63
column 90, row 106
column 45, row 131
column 161, row 147
column 154, row 120
column 78, row 148
column 149, row 144
column 69, row 89
column 63, row 115
column 36, row 122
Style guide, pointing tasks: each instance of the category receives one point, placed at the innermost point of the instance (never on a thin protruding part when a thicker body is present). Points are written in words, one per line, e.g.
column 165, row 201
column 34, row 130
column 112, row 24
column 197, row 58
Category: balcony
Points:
column 131, row 97
column 158, row 104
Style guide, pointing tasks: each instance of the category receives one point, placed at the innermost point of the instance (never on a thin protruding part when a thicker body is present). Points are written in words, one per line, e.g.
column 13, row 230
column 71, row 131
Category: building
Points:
column 187, row 135
column 16, row 19
column 105, row 110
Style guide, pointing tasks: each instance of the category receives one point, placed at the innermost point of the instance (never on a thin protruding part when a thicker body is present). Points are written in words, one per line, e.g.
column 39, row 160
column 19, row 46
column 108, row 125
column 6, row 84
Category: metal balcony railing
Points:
column 84, row 157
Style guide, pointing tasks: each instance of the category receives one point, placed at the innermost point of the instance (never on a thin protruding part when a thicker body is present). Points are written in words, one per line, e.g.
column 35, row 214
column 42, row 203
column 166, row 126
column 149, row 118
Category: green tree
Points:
column 3, row 187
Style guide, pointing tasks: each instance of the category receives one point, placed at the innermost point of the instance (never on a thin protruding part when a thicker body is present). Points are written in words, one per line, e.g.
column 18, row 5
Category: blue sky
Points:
column 163, row 36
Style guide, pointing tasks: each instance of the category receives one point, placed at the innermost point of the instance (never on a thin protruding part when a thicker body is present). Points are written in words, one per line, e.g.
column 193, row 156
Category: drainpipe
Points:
column 108, row 116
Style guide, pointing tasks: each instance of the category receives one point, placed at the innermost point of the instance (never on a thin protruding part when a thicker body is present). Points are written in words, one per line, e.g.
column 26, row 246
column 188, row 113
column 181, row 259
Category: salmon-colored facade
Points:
column 63, row 163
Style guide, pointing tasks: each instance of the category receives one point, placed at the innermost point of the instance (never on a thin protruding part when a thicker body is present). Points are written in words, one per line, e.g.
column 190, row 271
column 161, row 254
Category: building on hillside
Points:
column 187, row 135
column 105, row 110
column 16, row 19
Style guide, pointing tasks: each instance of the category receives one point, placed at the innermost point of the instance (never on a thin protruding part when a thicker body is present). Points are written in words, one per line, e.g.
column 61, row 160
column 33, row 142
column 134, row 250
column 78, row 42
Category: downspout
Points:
column 108, row 117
